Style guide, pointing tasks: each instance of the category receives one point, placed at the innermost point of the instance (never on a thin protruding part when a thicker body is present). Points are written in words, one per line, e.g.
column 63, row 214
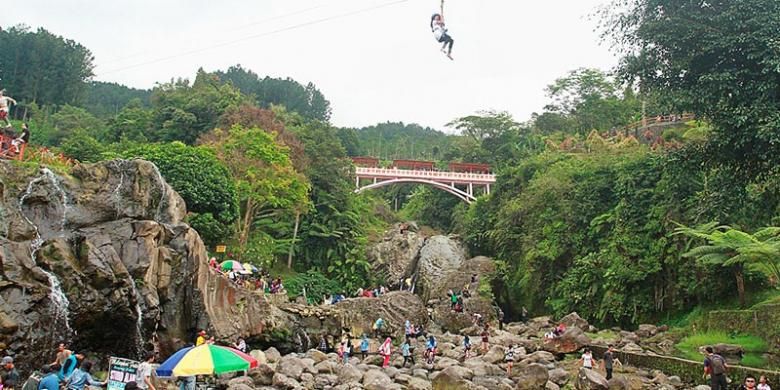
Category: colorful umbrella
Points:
column 250, row 268
column 207, row 359
column 231, row 265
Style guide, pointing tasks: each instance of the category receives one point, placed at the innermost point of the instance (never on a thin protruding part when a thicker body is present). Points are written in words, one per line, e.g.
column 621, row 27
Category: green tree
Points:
column 203, row 181
column 305, row 100
column 717, row 59
column 82, row 147
column 133, row 122
column 735, row 249
column 70, row 119
column 590, row 100
column 266, row 181
column 184, row 112
column 43, row 68
column 105, row 100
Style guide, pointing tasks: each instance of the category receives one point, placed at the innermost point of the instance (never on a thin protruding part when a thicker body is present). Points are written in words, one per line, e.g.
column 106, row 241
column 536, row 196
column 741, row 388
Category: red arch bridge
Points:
column 460, row 184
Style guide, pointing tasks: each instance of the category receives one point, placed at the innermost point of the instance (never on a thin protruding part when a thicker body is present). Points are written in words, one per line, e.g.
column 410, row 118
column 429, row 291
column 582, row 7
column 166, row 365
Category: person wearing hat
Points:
column 202, row 337
column 11, row 376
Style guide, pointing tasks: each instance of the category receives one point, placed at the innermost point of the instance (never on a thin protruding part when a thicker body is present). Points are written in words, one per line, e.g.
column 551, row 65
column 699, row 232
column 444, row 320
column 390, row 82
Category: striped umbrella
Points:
column 206, row 359
column 251, row 268
column 231, row 265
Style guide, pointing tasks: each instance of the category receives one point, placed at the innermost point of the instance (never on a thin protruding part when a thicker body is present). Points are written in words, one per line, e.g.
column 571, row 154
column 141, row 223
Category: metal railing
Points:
column 433, row 175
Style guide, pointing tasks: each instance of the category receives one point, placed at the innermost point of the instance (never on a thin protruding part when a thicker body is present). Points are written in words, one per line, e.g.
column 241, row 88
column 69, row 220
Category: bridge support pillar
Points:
column 488, row 189
column 471, row 189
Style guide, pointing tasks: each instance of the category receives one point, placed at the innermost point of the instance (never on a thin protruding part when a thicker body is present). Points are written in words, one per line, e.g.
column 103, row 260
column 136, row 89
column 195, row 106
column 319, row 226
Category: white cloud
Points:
column 375, row 66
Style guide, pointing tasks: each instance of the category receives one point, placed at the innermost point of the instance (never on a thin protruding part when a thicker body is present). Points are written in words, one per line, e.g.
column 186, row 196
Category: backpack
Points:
column 717, row 365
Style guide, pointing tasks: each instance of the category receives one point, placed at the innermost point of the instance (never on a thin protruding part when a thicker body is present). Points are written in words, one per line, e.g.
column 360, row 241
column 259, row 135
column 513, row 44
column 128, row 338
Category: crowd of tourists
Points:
column 259, row 280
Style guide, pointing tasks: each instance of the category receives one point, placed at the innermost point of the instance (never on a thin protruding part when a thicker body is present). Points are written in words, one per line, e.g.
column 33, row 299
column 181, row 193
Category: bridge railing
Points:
column 658, row 120
column 434, row 175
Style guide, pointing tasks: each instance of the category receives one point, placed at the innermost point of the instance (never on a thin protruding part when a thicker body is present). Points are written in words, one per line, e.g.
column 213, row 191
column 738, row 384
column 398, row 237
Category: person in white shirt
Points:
column 5, row 107
column 143, row 375
column 587, row 359
column 440, row 32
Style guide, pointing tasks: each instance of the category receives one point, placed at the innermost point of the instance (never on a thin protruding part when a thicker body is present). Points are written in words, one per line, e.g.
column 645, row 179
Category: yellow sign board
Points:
column 221, row 248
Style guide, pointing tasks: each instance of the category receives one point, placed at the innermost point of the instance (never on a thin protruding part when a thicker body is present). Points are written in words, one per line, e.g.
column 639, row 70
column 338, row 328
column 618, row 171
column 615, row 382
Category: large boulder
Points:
column 646, row 331
column 439, row 257
column 450, row 379
column 570, row 341
column 262, row 375
column 574, row 319
column 394, row 257
column 376, row 379
column 494, row 355
column 281, row 381
column 590, row 380
column 350, row 374
column 530, row 377
column 559, row 376
column 291, row 367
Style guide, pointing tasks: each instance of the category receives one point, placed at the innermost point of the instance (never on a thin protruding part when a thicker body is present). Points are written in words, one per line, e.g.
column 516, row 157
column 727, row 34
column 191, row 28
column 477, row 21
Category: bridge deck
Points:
column 449, row 177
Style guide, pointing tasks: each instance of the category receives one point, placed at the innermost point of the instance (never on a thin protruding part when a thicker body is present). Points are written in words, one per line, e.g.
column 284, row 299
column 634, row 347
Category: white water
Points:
column 116, row 193
column 163, row 193
column 139, row 323
column 59, row 300
column 63, row 197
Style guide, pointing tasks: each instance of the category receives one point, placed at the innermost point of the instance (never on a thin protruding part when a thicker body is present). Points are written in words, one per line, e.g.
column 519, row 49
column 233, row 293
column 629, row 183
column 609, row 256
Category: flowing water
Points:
column 163, row 193
column 57, row 297
column 139, row 323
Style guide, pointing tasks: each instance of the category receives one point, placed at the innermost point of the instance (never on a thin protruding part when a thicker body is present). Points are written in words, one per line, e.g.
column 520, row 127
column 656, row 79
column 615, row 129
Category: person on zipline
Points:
column 440, row 32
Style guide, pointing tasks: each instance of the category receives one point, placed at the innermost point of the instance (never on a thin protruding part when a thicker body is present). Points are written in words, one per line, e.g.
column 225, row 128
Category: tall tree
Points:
column 265, row 178
column 43, row 68
column 717, row 59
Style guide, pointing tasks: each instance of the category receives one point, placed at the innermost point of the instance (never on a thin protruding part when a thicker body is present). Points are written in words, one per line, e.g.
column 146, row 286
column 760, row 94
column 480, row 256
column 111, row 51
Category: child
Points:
column 467, row 346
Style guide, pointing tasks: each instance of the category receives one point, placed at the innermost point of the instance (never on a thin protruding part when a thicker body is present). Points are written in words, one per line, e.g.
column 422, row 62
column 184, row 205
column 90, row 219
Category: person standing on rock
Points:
column 406, row 351
column 379, row 324
column 430, row 349
column 323, row 347
column 386, row 350
column 607, row 360
column 587, row 359
column 715, row 365
column 5, row 104
column 509, row 358
column 364, row 347
column 485, row 338
column 466, row 347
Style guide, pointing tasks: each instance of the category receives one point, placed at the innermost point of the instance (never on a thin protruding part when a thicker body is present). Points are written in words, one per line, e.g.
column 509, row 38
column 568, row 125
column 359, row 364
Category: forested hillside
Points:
column 622, row 224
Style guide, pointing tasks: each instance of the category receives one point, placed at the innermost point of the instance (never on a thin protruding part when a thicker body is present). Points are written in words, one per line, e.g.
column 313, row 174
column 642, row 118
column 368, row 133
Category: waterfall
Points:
column 57, row 297
column 139, row 323
column 63, row 197
column 116, row 193
column 163, row 193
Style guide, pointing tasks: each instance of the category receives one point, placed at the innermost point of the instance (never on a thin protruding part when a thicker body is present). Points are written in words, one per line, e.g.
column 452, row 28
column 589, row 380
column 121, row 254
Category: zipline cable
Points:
column 289, row 28
column 270, row 19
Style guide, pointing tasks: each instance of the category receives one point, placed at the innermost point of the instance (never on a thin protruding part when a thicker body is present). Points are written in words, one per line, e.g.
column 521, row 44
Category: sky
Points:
column 375, row 60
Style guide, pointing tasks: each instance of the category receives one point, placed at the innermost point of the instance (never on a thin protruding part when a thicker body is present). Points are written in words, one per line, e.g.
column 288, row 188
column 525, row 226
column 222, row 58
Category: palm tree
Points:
column 729, row 247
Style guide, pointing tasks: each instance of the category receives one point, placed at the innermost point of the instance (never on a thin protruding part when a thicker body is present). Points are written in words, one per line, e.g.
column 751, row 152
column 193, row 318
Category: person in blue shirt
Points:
column 69, row 366
column 467, row 345
column 51, row 380
column 364, row 346
column 430, row 349
column 406, row 351
column 81, row 377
